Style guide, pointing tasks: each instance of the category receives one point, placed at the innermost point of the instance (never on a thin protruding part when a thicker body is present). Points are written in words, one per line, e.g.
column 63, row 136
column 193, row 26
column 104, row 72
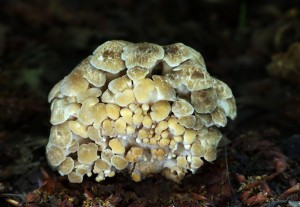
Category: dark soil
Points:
column 42, row 41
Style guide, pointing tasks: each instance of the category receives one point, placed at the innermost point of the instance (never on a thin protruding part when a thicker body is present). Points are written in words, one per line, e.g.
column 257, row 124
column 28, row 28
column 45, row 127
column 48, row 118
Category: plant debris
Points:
column 250, row 45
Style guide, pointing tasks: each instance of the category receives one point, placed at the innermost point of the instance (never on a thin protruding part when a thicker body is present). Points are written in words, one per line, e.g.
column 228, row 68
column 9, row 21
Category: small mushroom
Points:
column 94, row 77
column 101, row 165
column 143, row 91
column 87, row 153
column 107, row 57
column 160, row 110
column 75, row 177
column 116, row 146
column 66, row 166
column 119, row 162
column 55, row 155
column 58, row 115
column 60, row 135
column 164, row 90
column 204, row 101
column 73, row 84
column 176, row 54
column 182, row 108
column 136, row 73
column 143, row 55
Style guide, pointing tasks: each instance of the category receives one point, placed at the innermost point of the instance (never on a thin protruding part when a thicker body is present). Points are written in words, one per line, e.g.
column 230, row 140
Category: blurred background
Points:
column 240, row 40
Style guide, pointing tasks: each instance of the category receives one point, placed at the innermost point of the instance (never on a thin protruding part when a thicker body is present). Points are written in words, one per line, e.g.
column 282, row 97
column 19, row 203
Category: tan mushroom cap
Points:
column 119, row 162
column 120, row 84
column 86, row 114
column 87, row 153
column 125, row 98
column 94, row 134
column 108, row 97
column 66, row 166
column 83, row 169
column 196, row 162
column 107, row 56
column 113, row 111
column 134, row 154
column 136, row 73
column 210, row 153
column 60, row 135
column 204, row 101
column 116, row 146
column 136, row 176
column 197, row 57
column 55, row 155
column 58, row 114
column 143, row 55
column 206, row 119
column 77, row 128
column 74, row 84
column 229, row 107
column 194, row 76
column 197, row 150
column 99, row 114
column 160, row 110
column 55, row 92
column 219, row 117
column 101, row 165
column 187, row 121
column 75, row 177
column 212, row 136
column 174, row 79
column 91, row 74
column 181, row 161
column 176, row 54
column 164, row 90
column 222, row 89
column 107, row 155
column 143, row 91
column 74, row 146
column 189, row 136
column 182, row 108
column 89, row 93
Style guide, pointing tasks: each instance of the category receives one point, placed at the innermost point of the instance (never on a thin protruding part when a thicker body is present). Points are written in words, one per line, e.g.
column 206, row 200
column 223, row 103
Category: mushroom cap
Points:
column 107, row 56
column 87, row 153
column 176, row 53
column 60, row 135
column 55, row 155
column 143, row 55
column 66, row 166
column 141, row 108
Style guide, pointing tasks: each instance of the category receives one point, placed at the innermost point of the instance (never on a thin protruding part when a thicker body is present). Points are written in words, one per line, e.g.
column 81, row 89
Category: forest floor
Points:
column 42, row 41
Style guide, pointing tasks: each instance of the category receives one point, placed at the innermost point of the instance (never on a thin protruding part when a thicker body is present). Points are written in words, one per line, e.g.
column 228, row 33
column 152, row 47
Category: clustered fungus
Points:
column 139, row 107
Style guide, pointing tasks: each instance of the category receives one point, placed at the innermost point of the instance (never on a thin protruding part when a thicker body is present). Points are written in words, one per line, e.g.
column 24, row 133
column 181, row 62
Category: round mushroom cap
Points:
column 66, row 166
column 75, row 177
column 55, row 155
column 87, row 153
column 140, row 108
column 143, row 55
column 176, row 53
column 60, row 135
column 107, row 56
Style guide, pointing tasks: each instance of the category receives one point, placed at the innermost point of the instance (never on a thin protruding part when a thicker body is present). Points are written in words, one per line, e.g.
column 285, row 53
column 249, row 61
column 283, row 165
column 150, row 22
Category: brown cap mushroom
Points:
column 141, row 108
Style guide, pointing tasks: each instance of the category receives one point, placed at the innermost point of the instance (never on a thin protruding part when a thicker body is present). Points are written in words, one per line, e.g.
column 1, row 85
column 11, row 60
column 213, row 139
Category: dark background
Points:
column 42, row 41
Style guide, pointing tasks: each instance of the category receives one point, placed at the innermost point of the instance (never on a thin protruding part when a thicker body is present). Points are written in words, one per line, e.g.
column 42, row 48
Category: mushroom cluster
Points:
column 142, row 108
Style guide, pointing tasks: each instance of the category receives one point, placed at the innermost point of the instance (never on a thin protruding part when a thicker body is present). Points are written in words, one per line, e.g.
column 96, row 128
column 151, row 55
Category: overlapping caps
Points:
column 142, row 108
